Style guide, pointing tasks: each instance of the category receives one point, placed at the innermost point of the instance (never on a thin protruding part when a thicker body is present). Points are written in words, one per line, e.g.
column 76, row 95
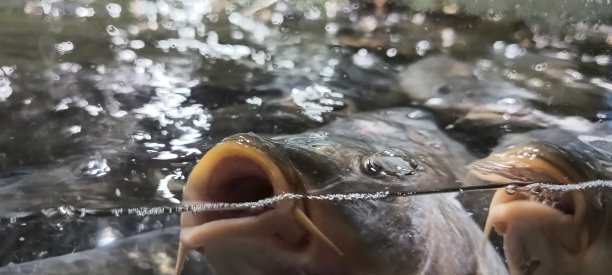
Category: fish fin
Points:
column 302, row 219
column 180, row 259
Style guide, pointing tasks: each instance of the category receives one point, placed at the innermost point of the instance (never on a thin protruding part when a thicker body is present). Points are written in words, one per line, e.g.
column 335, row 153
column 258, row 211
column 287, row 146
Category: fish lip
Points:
column 284, row 233
column 560, row 201
column 568, row 212
column 252, row 243
column 237, row 170
column 255, row 224
column 243, row 168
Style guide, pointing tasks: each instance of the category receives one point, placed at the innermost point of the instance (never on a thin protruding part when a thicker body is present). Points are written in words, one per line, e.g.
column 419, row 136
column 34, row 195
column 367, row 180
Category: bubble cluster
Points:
column 596, row 184
column 226, row 206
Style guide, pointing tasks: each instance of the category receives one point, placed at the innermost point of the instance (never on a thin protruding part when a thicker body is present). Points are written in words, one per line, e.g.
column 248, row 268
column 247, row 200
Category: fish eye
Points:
column 392, row 162
column 369, row 166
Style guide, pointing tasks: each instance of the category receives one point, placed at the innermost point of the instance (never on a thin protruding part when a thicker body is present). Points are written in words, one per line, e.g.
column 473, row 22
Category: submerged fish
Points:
column 147, row 253
column 396, row 149
column 469, row 96
column 550, row 231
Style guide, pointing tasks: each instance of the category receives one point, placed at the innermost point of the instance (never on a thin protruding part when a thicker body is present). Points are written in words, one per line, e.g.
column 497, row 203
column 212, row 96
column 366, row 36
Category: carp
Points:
column 394, row 149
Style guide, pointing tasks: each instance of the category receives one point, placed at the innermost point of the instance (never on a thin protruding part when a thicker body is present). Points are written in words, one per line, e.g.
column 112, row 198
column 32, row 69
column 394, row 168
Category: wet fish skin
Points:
column 147, row 253
column 548, row 232
column 416, row 235
column 475, row 98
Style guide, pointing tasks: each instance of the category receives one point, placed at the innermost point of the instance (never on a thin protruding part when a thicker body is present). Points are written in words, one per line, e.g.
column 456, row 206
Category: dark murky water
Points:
column 109, row 105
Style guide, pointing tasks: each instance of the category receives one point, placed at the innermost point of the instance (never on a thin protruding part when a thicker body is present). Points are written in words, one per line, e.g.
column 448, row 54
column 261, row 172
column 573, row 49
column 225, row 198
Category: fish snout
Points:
column 274, row 239
column 560, row 216
column 543, row 234
column 546, row 231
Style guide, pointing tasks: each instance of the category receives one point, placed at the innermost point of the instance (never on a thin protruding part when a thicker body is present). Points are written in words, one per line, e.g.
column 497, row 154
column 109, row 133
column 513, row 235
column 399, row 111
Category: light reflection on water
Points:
column 136, row 28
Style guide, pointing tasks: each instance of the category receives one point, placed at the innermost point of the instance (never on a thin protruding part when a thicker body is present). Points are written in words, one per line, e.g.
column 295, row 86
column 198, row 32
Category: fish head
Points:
column 471, row 97
column 380, row 152
column 547, row 231
column 245, row 168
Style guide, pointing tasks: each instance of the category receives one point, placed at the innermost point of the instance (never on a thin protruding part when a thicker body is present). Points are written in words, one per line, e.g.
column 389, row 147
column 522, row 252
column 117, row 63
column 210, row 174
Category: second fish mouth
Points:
column 562, row 201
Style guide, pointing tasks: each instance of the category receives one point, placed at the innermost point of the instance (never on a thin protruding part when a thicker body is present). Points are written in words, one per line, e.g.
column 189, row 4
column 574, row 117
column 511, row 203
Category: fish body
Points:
column 480, row 96
column 395, row 149
column 147, row 253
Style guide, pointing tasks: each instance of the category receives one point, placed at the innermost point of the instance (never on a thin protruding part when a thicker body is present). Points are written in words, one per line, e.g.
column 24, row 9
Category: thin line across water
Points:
column 200, row 207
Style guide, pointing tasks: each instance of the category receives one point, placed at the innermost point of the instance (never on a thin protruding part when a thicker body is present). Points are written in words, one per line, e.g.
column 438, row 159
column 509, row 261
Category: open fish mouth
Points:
column 559, row 208
column 244, row 168
column 546, row 231
column 562, row 201
column 248, row 183
column 532, row 162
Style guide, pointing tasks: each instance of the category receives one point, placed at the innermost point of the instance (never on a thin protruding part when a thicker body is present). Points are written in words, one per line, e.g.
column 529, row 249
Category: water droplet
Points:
column 112, row 30
column 332, row 28
column 97, row 167
column 540, row 66
column 393, row 161
column 536, row 190
column 114, row 10
column 141, row 136
column 511, row 189
column 67, row 211
column 117, row 212
column 422, row 47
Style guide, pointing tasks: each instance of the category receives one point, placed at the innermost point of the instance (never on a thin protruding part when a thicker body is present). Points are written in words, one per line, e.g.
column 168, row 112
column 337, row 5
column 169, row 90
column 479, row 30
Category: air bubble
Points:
column 511, row 189
column 391, row 52
column 114, row 10
column 535, row 190
column 112, row 30
column 540, row 66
